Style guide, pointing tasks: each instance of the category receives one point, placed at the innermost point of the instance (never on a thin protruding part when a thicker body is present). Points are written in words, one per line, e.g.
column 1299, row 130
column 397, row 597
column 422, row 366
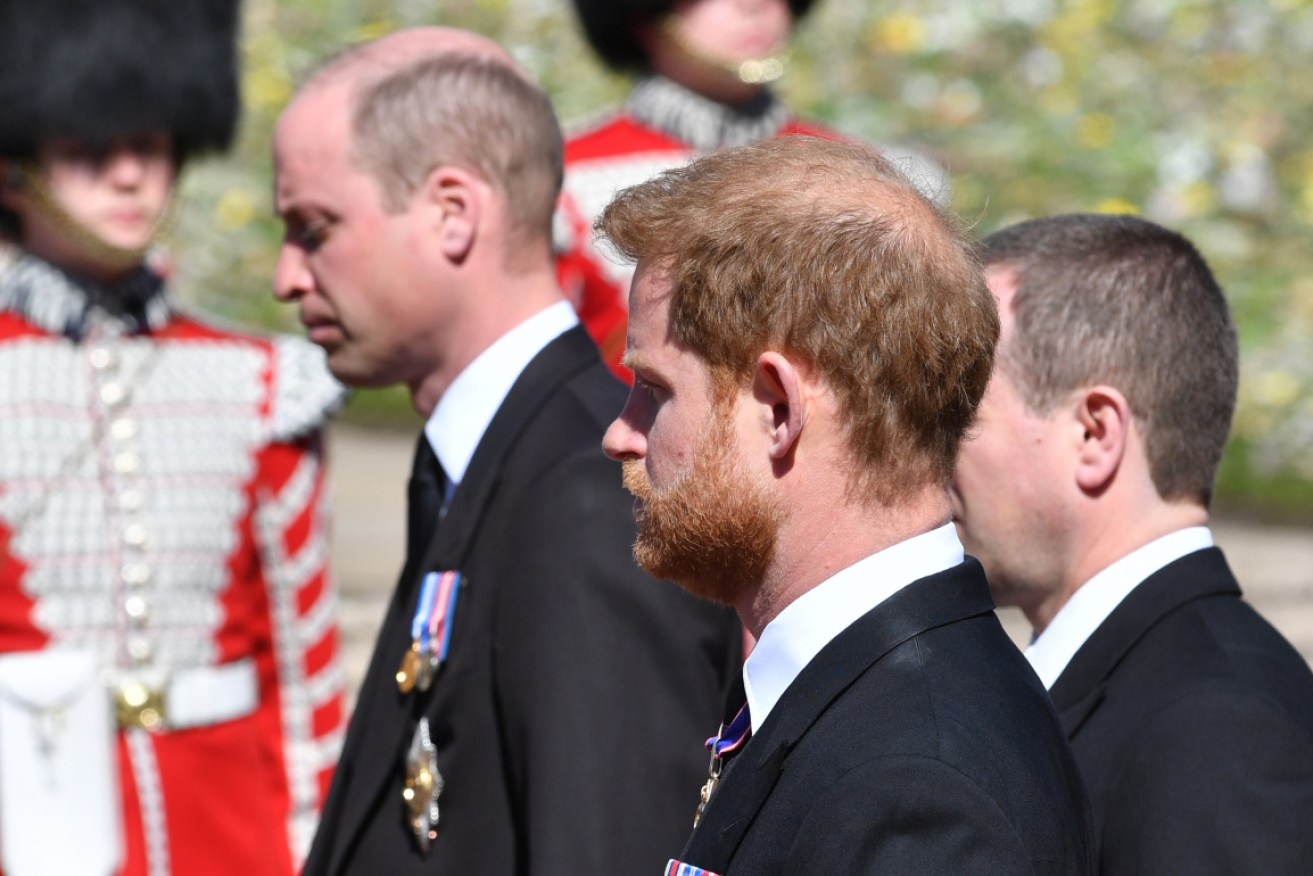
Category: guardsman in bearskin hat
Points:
column 170, row 692
column 705, row 69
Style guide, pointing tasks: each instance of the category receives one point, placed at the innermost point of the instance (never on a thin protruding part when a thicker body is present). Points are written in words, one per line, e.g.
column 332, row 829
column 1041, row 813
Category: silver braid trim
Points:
column 150, row 794
column 702, row 123
column 64, row 305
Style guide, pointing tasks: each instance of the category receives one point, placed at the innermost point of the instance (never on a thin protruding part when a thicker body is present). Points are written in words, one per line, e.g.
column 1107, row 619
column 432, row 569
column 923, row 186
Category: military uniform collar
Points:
column 75, row 307
column 701, row 122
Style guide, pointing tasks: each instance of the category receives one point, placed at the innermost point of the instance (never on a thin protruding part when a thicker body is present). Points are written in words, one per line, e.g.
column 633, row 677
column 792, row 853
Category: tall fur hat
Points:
column 609, row 26
column 96, row 70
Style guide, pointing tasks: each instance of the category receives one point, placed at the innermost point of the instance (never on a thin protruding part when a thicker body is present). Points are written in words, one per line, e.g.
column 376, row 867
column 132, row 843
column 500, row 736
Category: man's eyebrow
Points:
column 637, row 362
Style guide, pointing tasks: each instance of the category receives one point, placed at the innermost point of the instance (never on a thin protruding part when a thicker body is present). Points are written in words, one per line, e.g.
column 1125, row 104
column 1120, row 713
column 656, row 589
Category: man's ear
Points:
column 777, row 387
column 1104, row 417
column 455, row 199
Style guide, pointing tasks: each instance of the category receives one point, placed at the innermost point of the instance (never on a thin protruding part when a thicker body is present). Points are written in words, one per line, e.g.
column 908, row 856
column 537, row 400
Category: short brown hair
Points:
column 824, row 251
column 1122, row 301
column 473, row 111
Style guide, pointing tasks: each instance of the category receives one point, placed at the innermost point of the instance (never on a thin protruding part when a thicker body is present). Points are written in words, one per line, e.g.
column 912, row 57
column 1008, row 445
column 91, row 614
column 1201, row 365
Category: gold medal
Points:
column 408, row 672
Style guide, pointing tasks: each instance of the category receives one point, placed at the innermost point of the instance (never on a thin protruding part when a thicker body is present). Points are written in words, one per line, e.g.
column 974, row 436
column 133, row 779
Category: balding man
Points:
column 534, row 701
column 809, row 339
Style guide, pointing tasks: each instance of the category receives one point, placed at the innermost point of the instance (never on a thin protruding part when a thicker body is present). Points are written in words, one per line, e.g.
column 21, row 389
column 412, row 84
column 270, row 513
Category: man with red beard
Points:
column 810, row 338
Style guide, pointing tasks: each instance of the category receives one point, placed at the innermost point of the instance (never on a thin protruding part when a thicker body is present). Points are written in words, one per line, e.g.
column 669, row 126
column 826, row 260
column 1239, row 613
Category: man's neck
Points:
column 508, row 300
column 819, row 539
column 1105, row 539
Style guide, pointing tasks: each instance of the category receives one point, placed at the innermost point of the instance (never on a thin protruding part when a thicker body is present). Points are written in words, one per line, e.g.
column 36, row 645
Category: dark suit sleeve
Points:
column 606, row 679
column 1218, row 782
column 906, row 814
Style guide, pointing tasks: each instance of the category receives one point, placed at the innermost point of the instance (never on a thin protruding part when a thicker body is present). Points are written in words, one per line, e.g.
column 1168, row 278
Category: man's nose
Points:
column 292, row 277
column 622, row 440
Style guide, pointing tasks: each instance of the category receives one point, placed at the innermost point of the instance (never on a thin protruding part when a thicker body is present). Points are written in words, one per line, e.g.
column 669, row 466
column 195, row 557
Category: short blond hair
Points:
column 470, row 110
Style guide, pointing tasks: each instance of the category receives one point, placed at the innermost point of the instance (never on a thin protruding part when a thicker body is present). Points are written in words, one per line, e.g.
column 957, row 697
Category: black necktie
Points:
column 424, row 496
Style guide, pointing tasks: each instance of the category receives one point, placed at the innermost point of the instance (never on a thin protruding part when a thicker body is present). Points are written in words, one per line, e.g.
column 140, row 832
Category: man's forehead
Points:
column 649, row 303
column 323, row 107
column 650, row 342
column 311, row 163
column 652, row 284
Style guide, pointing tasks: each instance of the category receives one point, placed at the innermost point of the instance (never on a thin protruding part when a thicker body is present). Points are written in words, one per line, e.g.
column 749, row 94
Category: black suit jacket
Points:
column 1192, row 721
column 569, row 716
column 918, row 741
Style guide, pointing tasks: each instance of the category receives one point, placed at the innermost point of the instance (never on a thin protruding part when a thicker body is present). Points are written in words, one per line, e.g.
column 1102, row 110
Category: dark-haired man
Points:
column 533, row 704
column 890, row 725
column 1085, row 495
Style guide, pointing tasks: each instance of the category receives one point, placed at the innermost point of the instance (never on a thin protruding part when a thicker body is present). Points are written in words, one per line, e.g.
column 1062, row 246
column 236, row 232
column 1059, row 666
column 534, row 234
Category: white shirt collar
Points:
column 462, row 415
column 811, row 621
column 1091, row 604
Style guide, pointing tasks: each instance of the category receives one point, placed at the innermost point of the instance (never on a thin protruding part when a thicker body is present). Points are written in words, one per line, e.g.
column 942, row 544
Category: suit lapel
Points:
column 940, row 599
column 374, row 753
column 560, row 360
column 1079, row 689
column 373, row 746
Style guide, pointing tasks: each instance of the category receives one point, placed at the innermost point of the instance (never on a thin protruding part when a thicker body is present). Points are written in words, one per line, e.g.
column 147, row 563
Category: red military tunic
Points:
column 162, row 507
column 662, row 125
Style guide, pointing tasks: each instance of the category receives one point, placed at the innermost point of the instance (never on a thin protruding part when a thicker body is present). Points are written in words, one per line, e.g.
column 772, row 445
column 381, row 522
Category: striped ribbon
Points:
column 731, row 738
column 431, row 626
column 675, row 868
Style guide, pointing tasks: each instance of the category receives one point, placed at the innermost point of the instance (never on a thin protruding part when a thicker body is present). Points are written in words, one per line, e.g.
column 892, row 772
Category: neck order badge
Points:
column 725, row 743
column 430, row 631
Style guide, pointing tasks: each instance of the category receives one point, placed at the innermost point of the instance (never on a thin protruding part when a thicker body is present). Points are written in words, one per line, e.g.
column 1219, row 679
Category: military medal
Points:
column 726, row 741
column 423, row 785
column 430, row 631
column 409, row 669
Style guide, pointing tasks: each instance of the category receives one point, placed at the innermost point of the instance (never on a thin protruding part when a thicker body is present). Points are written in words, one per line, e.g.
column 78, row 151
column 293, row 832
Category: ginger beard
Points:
column 711, row 531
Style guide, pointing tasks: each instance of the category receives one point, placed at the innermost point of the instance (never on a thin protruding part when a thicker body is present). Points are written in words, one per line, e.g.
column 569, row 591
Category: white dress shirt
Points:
column 811, row 621
column 462, row 415
column 1090, row 605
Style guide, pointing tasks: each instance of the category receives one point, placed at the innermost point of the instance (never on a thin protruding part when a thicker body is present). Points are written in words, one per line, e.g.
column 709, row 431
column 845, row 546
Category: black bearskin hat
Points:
column 97, row 70
column 609, row 26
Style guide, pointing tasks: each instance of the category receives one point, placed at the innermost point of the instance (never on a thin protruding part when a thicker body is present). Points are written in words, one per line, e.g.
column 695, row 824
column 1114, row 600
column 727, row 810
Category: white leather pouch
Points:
column 59, row 800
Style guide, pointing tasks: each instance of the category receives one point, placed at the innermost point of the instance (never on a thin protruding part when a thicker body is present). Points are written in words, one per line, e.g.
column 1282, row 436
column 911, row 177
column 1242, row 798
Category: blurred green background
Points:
column 1194, row 113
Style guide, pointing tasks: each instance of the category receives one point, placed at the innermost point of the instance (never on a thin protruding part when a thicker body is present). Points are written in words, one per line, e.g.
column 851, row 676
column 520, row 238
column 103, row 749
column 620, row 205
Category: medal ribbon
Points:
column 678, row 868
column 431, row 626
column 731, row 738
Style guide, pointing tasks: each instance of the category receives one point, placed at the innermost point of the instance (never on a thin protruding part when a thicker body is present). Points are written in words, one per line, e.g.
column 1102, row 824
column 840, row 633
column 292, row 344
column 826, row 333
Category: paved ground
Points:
column 369, row 470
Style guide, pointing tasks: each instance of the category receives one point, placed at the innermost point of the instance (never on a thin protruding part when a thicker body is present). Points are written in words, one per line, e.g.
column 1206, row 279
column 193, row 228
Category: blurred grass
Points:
column 1194, row 113
column 382, row 409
